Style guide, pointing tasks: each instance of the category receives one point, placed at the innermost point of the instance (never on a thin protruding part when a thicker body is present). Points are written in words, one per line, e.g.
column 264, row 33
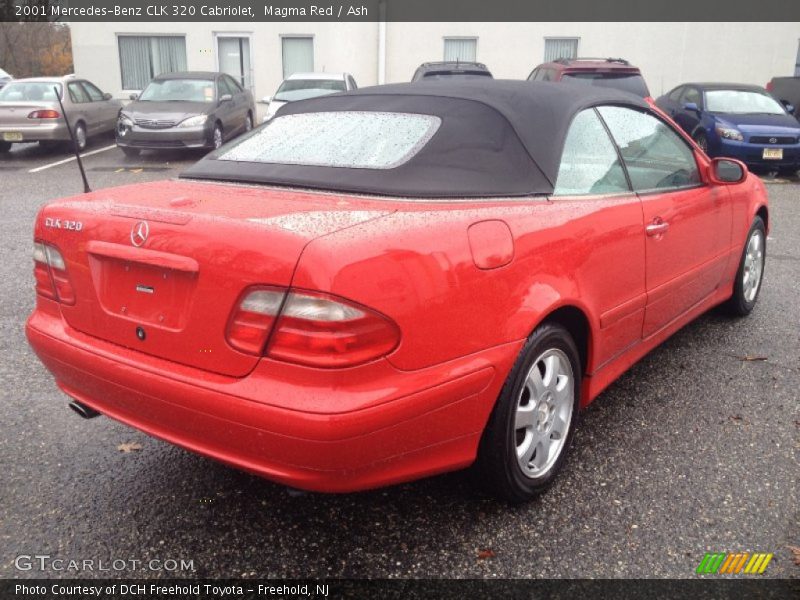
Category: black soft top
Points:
column 497, row 138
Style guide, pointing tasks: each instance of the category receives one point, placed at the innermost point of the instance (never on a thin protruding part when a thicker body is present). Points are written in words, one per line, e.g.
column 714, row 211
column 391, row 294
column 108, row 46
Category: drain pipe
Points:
column 382, row 42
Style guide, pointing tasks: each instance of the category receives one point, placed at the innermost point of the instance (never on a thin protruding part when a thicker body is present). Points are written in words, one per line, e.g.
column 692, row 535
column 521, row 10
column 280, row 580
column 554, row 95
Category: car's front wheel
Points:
column 701, row 140
column 216, row 136
column 751, row 271
column 530, row 430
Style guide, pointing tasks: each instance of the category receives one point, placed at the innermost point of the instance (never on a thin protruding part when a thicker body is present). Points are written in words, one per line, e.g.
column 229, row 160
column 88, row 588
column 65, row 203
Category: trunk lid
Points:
column 15, row 114
column 159, row 267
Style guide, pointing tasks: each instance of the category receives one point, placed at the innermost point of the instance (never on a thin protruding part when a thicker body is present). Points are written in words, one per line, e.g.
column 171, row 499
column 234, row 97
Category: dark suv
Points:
column 787, row 90
column 448, row 69
column 615, row 73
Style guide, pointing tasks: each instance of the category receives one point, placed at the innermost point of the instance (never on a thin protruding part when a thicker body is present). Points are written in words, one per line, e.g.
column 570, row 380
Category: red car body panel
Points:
column 466, row 282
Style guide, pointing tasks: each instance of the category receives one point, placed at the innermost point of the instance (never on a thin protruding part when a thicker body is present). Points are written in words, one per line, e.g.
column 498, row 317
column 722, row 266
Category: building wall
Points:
column 667, row 53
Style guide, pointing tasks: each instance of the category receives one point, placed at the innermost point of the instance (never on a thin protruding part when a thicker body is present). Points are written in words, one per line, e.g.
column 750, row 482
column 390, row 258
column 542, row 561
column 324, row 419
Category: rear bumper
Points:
column 174, row 137
column 408, row 424
column 46, row 132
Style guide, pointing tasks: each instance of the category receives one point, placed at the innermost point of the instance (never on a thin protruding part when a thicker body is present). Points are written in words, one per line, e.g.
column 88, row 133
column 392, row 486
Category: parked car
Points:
column 735, row 120
column 787, row 90
column 302, row 86
column 615, row 73
column 451, row 68
column 29, row 111
column 474, row 265
column 4, row 78
column 193, row 109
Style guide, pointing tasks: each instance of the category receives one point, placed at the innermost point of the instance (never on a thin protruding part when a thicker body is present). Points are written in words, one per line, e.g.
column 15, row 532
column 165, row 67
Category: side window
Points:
column 546, row 75
column 222, row 88
column 233, row 85
column 589, row 162
column 692, row 95
column 675, row 94
column 656, row 157
column 534, row 76
column 94, row 93
column 76, row 93
column 352, row 81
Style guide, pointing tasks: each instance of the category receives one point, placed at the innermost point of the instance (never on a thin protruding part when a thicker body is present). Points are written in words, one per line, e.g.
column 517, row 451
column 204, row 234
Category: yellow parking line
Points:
column 66, row 160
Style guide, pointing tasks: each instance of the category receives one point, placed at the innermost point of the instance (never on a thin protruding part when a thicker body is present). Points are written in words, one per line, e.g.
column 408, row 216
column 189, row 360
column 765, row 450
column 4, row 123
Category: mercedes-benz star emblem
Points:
column 773, row 140
column 139, row 233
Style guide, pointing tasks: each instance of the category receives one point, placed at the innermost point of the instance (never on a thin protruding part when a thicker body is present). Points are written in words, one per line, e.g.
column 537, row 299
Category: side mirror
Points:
column 134, row 96
column 107, row 96
column 727, row 171
column 266, row 100
column 691, row 106
column 790, row 108
column 225, row 98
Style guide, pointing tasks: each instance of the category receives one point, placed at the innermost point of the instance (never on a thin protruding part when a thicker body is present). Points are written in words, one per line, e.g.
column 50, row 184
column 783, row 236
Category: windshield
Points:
column 627, row 82
column 178, row 90
column 300, row 89
column 38, row 91
column 356, row 140
column 742, row 102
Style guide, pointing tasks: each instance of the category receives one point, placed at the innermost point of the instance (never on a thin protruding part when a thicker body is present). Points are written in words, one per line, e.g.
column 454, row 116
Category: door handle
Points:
column 657, row 228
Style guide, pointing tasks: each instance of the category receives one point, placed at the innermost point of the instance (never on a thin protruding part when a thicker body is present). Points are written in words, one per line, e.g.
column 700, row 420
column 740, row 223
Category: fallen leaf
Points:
column 736, row 417
column 129, row 447
column 796, row 551
column 486, row 553
column 748, row 358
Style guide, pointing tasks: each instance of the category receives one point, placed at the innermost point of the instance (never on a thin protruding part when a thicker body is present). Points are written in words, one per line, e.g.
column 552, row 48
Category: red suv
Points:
column 604, row 72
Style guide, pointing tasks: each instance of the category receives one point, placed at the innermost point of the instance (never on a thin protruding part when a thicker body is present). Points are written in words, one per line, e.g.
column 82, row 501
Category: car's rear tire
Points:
column 701, row 140
column 79, row 131
column 4, row 147
column 529, row 432
column 750, row 273
column 248, row 122
column 130, row 152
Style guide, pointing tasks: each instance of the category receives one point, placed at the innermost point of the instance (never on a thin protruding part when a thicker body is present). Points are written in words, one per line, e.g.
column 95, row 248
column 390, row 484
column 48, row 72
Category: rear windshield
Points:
column 4, row 74
column 178, row 90
column 446, row 74
column 627, row 82
column 356, row 140
column 38, row 91
column 300, row 89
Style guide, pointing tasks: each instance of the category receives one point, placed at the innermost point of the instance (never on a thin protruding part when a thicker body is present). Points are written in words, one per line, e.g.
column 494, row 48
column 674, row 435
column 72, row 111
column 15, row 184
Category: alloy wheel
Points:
column 544, row 413
column 753, row 265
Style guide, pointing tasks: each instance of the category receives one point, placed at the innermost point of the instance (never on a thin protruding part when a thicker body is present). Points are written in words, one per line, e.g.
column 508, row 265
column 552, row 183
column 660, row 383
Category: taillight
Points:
column 253, row 317
column 44, row 114
column 50, row 272
column 310, row 328
column 769, row 86
column 322, row 331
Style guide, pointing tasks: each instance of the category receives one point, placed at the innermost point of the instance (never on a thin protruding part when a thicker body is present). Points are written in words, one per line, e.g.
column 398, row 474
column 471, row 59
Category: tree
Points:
column 35, row 49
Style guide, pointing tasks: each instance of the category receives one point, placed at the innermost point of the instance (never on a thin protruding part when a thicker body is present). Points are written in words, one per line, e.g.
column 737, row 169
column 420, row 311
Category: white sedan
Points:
column 300, row 86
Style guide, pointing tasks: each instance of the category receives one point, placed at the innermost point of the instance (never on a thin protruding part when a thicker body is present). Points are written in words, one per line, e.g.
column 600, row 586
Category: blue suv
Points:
column 737, row 121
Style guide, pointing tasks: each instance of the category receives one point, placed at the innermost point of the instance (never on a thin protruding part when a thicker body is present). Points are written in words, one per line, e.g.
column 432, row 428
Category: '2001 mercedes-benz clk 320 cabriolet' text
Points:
column 394, row 282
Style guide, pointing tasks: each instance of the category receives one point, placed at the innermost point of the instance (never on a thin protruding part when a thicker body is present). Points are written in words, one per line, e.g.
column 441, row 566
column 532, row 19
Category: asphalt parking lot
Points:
column 694, row 450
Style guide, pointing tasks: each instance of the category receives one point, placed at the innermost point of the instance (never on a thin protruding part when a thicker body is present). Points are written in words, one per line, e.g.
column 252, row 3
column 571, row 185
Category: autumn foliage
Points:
column 35, row 49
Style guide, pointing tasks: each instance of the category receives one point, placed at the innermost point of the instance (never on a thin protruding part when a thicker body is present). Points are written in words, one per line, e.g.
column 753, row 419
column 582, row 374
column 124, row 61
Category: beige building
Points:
column 121, row 57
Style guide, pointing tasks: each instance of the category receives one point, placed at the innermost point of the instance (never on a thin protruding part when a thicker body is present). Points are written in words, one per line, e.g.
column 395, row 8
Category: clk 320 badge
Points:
column 59, row 224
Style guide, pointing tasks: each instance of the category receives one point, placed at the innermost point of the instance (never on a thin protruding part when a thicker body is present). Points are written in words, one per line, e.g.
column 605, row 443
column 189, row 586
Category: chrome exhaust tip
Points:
column 83, row 410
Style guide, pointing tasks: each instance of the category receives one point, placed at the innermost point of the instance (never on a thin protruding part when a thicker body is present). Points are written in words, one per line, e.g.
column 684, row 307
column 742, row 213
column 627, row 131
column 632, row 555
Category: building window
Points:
column 143, row 57
column 298, row 55
column 461, row 49
column 555, row 48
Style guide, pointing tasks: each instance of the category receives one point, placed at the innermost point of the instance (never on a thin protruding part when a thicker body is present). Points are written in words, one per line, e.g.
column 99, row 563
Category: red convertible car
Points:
column 397, row 281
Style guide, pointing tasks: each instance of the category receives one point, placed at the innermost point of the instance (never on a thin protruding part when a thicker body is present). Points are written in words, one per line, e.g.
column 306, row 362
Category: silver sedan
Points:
column 29, row 111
